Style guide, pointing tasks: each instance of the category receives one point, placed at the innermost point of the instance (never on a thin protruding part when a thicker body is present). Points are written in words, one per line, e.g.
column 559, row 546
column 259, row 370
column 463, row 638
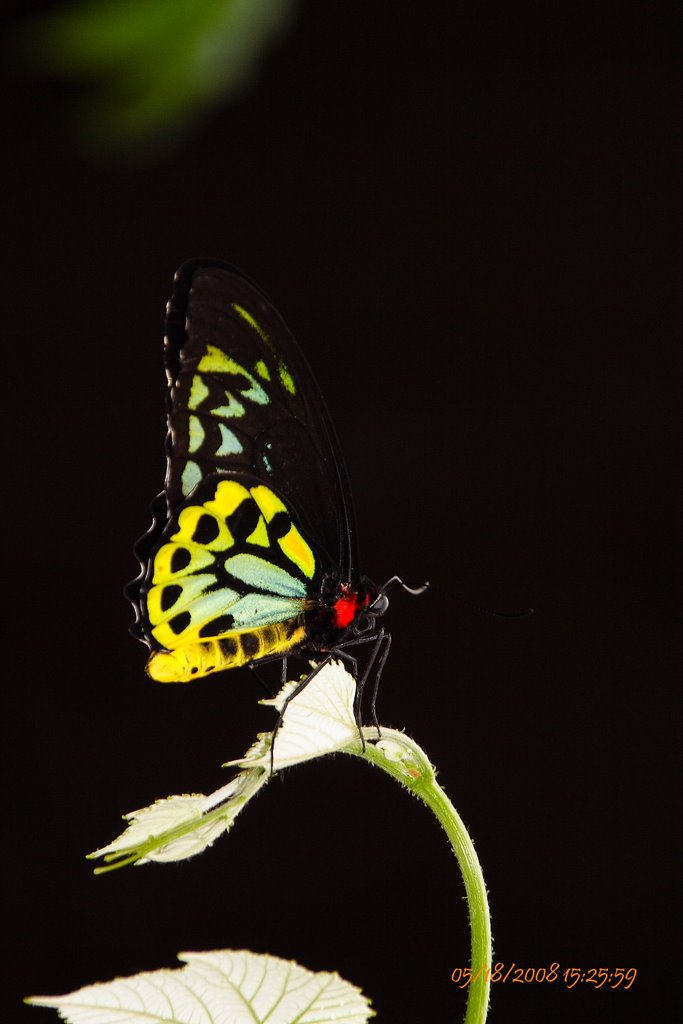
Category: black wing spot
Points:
column 206, row 530
column 169, row 596
column 180, row 559
column 221, row 624
column 180, row 622
column 279, row 526
column 244, row 519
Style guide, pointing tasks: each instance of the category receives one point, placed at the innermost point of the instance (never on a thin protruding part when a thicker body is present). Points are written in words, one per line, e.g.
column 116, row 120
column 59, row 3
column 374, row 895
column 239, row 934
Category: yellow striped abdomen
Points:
column 207, row 656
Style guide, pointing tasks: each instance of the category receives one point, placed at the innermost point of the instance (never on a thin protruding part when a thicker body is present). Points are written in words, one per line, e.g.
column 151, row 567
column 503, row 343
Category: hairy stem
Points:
column 406, row 762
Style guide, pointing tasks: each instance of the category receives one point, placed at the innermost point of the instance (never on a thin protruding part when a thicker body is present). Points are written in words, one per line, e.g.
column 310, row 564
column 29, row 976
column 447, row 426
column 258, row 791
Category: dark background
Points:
column 464, row 212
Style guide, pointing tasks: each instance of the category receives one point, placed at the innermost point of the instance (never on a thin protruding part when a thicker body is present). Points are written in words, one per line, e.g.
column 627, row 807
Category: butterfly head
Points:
column 376, row 603
column 355, row 609
column 372, row 605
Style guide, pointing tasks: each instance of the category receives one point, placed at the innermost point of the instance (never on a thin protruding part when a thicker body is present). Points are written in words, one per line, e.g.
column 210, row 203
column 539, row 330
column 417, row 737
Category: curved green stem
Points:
column 406, row 762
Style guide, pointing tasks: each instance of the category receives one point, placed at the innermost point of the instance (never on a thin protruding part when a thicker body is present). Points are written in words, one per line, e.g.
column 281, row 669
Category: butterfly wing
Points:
column 256, row 509
column 229, row 580
column 242, row 397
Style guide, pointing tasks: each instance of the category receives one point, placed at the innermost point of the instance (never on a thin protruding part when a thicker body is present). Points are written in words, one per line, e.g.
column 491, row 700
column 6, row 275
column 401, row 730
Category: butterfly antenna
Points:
column 415, row 591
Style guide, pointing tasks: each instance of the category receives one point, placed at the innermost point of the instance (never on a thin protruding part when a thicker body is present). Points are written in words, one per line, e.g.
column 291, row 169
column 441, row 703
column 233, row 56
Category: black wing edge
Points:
column 142, row 550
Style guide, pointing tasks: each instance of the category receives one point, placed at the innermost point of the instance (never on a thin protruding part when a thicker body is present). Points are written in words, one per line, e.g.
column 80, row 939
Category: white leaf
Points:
column 222, row 987
column 179, row 827
column 169, row 814
column 318, row 721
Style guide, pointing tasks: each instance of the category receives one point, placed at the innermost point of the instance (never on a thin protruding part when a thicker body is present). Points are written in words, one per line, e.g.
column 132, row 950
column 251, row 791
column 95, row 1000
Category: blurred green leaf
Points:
column 152, row 67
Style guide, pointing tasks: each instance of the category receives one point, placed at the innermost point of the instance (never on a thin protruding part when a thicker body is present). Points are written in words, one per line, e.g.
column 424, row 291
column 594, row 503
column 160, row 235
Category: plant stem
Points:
column 406, row 762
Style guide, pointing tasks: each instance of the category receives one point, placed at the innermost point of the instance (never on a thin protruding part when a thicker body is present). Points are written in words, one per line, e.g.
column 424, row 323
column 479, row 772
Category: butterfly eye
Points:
column 380, row 605
column 364, row 623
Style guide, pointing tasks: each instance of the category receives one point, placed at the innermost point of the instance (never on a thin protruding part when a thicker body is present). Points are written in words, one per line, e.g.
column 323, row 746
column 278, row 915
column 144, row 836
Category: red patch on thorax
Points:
column 345, row 609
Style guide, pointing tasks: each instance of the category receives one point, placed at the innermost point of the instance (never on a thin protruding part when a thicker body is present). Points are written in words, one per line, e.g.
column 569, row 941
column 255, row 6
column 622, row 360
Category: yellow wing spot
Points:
column 233, row 410
column 293, row 544
column 229, row 495
column 154, row 610
column 215, row 361
column 298, row 551
column 260, row 534
column 286, row 379
column 198, row 392
column 268, row 502
column 189, row 520
column 197, row 434
column 167, row 637
column 250, row 320
column 201, row 559
column 188, row 589
column 262, row 369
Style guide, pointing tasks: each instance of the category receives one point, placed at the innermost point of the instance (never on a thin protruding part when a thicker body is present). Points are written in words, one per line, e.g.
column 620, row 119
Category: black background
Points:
column 465, row 213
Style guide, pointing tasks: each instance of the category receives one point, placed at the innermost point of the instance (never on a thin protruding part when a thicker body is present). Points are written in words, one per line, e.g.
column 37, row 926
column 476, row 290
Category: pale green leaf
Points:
column 178, row 827
column 221, row 987
column 319, row 720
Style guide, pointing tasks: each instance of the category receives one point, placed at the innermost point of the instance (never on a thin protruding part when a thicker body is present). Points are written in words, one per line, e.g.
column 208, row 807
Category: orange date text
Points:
column 502, row 973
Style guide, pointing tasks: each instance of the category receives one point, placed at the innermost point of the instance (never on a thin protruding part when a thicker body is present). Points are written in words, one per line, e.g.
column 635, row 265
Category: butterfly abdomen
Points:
column 232, row 651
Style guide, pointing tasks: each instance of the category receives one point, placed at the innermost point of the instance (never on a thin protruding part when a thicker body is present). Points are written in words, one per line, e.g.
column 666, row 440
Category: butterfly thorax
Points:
column 341, row 612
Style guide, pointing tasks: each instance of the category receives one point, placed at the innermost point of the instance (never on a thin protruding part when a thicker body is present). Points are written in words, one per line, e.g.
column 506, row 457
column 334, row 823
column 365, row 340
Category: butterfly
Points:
column 251, row 556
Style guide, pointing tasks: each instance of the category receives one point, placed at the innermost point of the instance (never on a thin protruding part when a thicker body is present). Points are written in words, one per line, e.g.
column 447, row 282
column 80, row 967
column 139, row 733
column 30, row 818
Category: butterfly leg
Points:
column 349, row 660
column 386, row 637
column 295, row 693
column 340, row 652
column 261, row 680
column 377, row 639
